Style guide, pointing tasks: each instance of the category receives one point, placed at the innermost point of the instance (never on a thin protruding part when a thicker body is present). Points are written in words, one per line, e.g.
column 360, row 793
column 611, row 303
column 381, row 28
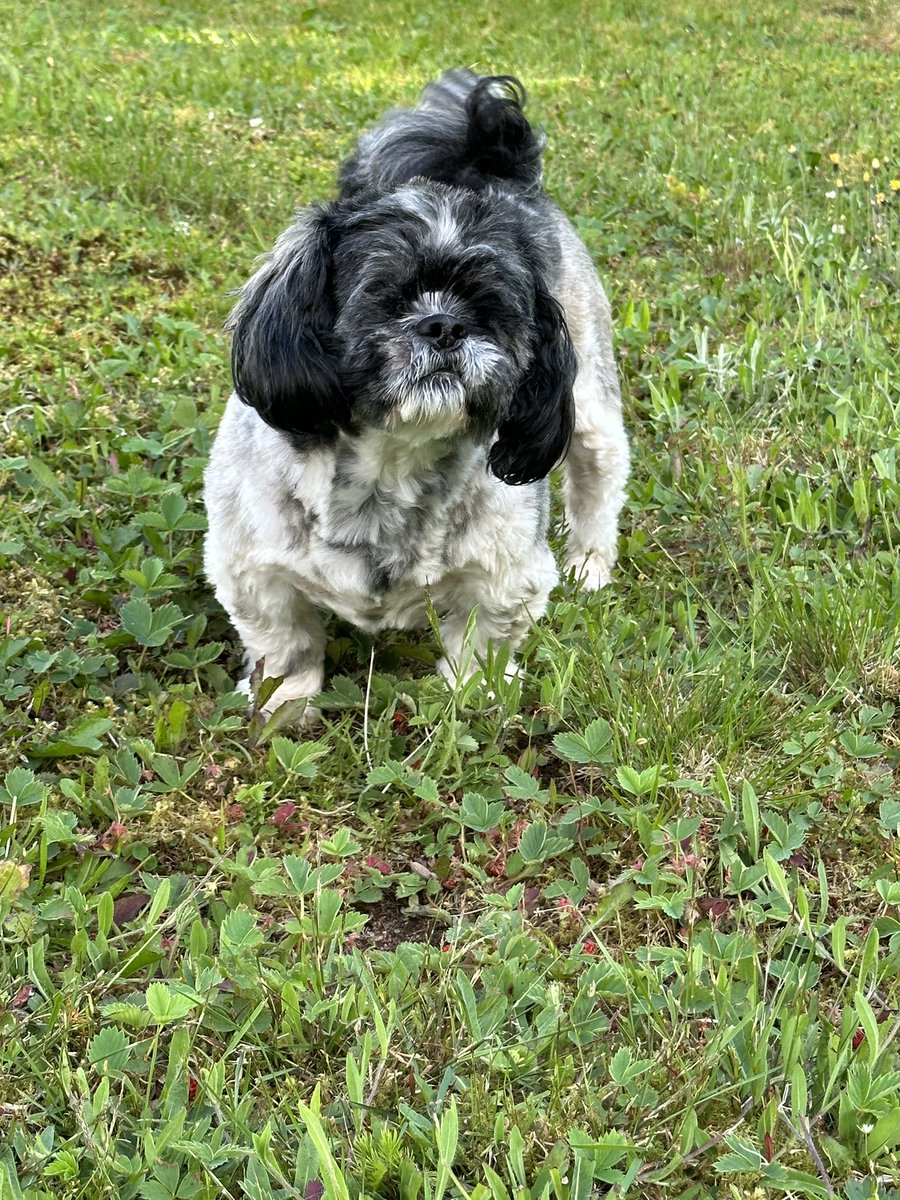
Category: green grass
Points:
column 632, row 926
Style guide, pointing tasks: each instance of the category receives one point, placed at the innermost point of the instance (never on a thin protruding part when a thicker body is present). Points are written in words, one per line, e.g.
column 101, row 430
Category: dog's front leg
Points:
column 595, row 474
column 505, row 603
column 278, row 624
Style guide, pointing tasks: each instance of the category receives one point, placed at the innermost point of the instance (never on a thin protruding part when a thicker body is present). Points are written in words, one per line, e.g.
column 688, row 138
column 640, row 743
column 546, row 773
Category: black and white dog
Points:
column 410, row 361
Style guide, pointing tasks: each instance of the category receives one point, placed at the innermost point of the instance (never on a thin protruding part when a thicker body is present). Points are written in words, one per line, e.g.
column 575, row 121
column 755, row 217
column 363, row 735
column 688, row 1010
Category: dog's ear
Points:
column 284, row 353
column 537, row 431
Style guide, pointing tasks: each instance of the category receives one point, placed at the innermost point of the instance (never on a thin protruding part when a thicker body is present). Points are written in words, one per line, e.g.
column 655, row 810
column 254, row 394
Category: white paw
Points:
column 293, row 714
column 282, row 696
column 456, row 677
column 592, row 570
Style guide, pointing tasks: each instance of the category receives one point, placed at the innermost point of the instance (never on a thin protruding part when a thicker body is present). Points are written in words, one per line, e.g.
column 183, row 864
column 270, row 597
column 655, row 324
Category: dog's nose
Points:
column 442, row 331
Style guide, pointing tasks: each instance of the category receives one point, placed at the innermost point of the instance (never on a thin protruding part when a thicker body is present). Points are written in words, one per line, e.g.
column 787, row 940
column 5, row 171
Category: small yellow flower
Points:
column 879, row 196
column 895, row 185
column 834, row 159
column 876, row 163
column 866, row 176
column 839, row 183
column 792, row 149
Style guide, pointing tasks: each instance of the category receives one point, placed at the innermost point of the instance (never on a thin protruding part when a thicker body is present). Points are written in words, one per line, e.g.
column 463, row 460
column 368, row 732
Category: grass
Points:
column 629, row 928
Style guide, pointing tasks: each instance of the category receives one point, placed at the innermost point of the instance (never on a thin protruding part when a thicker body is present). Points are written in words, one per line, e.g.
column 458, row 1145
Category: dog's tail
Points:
column 468, row 130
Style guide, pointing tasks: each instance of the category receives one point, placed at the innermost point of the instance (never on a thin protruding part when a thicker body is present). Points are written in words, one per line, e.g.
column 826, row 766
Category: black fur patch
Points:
column 469, row 132
column 537, row 432
column 284, row 355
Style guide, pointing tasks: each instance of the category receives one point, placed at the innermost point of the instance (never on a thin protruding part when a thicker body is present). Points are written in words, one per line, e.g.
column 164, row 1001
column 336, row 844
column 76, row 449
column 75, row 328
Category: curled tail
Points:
column 468, row 131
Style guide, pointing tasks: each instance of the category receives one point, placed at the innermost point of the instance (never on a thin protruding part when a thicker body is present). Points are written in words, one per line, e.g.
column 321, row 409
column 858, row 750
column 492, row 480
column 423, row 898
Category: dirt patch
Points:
column 388, row 926
column 62, row 280
column 734, row 263
column 886, row 38
column 883, row 35
column 31, row 603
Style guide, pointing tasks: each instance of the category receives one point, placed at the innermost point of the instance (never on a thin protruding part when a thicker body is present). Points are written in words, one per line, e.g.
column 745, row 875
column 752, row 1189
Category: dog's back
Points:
column 468, row 131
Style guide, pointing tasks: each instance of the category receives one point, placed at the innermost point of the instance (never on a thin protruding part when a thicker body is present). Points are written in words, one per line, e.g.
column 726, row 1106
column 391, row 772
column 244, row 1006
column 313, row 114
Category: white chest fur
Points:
column 369, row 528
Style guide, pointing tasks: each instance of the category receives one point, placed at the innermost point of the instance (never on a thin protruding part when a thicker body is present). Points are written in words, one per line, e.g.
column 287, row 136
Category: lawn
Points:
column 628, row 926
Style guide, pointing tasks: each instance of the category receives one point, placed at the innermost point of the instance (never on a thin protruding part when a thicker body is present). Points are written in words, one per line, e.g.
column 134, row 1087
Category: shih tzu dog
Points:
column 410, row 362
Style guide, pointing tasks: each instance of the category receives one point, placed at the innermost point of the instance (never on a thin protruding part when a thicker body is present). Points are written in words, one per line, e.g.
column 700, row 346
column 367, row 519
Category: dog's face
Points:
column 435, row 312
column 425, row 307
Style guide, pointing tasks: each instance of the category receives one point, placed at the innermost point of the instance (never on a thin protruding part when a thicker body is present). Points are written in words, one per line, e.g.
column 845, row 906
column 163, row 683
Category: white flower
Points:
column 255, row 122
column 830, row 195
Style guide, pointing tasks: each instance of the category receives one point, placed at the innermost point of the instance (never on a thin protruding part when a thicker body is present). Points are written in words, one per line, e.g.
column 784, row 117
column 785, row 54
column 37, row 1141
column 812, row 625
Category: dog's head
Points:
column 425, row 306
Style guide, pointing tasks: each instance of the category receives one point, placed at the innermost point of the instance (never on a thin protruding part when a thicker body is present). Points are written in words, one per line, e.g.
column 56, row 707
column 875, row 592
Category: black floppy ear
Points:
column 536, row 434
column 284, row 353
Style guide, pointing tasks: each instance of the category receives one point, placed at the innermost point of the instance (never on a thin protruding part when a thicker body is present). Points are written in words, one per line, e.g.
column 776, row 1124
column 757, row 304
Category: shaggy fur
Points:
column 410, row 362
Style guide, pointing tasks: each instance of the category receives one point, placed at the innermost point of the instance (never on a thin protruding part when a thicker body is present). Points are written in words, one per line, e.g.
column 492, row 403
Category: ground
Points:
column 629, row 927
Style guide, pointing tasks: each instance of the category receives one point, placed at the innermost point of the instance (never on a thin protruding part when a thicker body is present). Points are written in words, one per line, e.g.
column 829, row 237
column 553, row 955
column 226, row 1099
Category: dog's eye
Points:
column 485, row 302
column 375, row 287
column 384, row 294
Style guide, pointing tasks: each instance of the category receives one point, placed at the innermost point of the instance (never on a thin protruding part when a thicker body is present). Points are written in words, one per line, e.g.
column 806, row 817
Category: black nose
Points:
column 442, row 331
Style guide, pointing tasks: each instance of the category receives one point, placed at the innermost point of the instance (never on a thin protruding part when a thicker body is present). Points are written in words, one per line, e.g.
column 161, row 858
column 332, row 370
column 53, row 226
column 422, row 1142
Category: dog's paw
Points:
column 592, row 570
column 456, row 678
column 300, row 714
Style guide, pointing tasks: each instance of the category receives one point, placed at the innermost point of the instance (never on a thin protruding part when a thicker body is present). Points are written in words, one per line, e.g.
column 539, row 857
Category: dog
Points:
column 410, row 362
